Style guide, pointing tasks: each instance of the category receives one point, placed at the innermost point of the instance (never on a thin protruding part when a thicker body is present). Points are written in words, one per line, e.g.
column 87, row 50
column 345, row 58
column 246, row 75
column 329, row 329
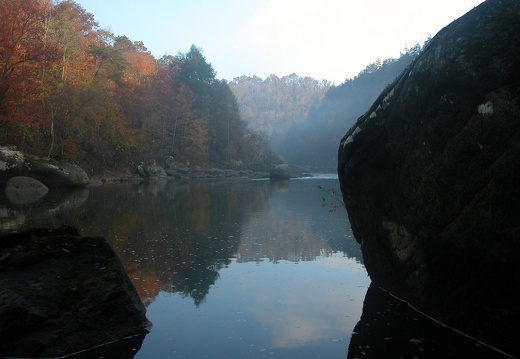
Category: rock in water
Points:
column 23, row 190
column 53, row 172
column 61, row 293
column 280, row 172
column 285, row 172
column 430, row 177
column 49, row 171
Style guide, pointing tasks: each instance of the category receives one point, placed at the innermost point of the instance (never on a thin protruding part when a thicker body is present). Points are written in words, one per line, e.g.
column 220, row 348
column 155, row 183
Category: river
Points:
column 244, row 269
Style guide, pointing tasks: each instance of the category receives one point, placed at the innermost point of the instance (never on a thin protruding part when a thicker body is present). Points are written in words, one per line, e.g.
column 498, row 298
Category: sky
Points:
column 323, row 39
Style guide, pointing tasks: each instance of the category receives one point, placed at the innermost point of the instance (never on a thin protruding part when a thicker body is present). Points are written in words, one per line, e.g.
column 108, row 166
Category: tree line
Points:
column 313, row 143
column 71, row 89
column 305, row 118
column 273, row 104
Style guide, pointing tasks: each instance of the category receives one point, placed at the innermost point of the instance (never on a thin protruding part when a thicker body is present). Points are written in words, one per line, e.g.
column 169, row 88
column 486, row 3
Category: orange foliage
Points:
column 68, row 88
column 26, row 54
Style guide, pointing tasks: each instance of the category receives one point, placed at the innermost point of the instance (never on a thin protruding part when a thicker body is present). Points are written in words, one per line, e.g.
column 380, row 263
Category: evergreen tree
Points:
column 198, row 75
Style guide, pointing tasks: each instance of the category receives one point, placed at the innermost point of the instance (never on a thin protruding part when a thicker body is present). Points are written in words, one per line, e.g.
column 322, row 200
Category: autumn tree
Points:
column 74, row 31
column 26, row 53
column 71, row 89
column 88, row 121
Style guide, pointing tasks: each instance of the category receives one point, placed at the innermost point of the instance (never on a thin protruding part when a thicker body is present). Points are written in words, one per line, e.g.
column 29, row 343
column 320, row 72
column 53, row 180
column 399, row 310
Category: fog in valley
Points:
column 304, row 119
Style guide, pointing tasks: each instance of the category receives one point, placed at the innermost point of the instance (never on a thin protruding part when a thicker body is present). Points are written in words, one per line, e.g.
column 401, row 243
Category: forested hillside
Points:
column 71, row 89
column 305, row 118
column 313, row 143
column 273, row 104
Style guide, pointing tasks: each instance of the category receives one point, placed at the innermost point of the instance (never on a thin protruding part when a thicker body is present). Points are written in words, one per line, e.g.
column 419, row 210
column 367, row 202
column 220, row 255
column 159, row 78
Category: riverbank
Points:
column 128, row 176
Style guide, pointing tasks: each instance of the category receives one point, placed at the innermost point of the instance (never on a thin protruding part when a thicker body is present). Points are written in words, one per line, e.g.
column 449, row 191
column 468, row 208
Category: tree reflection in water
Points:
column 176, row 236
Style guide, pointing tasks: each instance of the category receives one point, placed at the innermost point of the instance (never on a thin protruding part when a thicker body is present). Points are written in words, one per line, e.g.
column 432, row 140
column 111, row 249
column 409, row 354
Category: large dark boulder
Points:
column 61, row 293
column 51, row 172
column 430, row 177
column 55, row 172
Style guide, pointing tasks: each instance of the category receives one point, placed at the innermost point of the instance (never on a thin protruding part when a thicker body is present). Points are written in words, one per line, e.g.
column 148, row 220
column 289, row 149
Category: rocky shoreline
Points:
column 127, row 176
column 155, row 172
column 58, row 172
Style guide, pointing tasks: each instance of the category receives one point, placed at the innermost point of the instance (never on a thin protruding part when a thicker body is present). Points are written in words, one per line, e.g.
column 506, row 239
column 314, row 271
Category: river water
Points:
column 244, row 269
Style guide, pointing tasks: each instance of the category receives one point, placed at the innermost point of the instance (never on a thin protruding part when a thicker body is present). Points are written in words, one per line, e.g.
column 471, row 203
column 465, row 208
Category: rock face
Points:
column 60, row 294
column 48, row 171
column 430, row 177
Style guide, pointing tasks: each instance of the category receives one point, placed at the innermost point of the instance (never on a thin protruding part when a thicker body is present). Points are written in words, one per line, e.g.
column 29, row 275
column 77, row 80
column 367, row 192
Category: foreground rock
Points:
column 60, row 294
column 430, row 178
column 50, row 172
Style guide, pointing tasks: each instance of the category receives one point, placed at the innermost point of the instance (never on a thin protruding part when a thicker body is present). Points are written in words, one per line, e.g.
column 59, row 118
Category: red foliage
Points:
column 26, row 53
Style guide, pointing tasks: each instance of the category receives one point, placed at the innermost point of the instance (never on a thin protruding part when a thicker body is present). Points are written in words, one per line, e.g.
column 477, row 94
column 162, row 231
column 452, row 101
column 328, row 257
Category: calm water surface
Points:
column 244, row 269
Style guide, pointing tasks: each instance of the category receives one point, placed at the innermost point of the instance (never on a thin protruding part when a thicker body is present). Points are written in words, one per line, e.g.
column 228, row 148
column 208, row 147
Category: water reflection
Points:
column 193, row 229
column 390, row 328
column 126, row 348
column 311, row 306
column 258, row 309
column 58, row 207
column 243, row 269
column 177, row 236
column 265, row 268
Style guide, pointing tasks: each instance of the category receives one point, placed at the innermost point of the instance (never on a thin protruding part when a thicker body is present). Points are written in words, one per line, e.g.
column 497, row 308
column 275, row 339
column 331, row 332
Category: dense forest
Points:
column 71, row 89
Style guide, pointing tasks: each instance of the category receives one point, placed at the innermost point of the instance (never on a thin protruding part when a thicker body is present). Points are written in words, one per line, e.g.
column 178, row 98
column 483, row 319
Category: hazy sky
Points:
column 324, row 39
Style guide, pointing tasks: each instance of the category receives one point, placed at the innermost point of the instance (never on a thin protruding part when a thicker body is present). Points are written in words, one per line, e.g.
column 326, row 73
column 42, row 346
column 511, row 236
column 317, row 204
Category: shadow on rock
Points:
column 61, row 294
